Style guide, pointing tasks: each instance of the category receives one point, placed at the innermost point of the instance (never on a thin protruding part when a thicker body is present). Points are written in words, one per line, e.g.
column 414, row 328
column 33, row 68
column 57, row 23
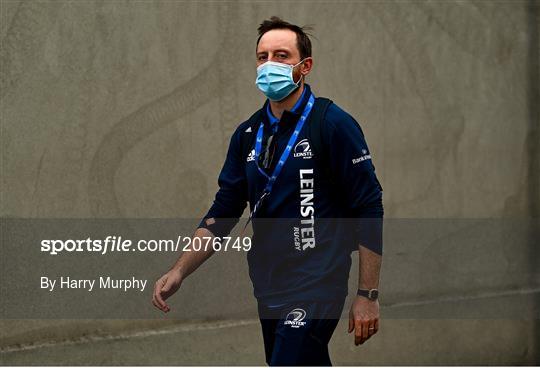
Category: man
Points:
column 299, row 268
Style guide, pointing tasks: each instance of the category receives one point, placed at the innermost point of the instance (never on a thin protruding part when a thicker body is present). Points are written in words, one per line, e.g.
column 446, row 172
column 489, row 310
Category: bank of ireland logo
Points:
column 303, row 149
column 251, row 156
column 295, row 318
column 365, row 156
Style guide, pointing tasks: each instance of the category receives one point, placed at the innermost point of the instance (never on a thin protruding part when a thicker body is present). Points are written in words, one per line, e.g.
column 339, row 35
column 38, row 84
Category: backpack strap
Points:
column 317, row 137
column 248, row 135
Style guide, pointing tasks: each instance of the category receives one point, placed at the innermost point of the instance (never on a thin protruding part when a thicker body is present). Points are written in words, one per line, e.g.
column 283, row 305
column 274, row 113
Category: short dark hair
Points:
column 302, row 40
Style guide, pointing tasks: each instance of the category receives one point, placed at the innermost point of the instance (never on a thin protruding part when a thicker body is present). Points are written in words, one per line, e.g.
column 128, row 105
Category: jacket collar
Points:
column 289, row 116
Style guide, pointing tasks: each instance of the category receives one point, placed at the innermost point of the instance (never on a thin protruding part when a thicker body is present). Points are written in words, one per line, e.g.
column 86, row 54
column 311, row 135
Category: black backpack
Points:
column 315, row 132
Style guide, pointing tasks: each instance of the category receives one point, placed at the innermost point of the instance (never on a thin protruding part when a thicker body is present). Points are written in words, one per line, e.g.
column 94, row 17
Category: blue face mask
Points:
column 275, row 80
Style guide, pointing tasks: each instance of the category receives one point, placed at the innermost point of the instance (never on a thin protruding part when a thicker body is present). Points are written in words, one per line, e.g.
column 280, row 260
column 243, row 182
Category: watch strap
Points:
column 371, row 294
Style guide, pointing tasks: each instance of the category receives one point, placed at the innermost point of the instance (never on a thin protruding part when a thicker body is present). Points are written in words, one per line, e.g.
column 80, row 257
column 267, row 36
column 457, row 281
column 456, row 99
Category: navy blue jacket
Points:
column 294, row 258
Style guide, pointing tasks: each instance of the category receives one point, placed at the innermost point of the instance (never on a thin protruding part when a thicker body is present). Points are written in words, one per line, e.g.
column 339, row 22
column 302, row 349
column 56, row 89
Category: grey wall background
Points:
column 125, row 109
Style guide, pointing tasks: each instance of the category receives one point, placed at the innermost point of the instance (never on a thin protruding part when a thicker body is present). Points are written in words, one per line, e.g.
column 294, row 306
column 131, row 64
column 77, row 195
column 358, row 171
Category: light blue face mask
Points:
column 275, row 79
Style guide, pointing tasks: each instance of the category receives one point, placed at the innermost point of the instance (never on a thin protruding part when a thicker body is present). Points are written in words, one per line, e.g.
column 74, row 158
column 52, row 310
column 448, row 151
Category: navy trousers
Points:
column 298, row 333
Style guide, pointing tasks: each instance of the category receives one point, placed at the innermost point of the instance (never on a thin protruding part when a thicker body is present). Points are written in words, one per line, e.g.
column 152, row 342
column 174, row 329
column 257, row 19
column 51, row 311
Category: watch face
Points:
column 373, row 294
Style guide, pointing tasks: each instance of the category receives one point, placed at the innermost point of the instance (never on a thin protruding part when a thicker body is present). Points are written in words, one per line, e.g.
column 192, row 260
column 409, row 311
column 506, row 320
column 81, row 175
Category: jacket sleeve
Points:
column 355, row 177
column 231, row 197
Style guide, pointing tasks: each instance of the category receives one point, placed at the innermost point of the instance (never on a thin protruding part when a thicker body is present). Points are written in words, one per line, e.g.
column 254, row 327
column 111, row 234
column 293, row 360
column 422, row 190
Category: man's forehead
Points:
column 275, row 39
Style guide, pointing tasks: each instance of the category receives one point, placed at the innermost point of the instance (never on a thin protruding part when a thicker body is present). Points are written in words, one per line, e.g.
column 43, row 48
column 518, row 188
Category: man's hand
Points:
column 166, row 286
column 186, row 264
column 363, row 319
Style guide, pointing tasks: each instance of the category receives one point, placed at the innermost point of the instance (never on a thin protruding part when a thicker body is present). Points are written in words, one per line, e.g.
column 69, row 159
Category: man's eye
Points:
column 261, row 58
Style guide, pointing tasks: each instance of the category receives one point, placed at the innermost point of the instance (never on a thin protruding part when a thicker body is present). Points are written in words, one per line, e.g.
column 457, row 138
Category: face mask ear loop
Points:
column 301, row 75
column 301, row 61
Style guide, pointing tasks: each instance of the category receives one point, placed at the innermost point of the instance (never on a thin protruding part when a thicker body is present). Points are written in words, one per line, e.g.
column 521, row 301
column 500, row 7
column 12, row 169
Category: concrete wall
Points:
column 116, row 109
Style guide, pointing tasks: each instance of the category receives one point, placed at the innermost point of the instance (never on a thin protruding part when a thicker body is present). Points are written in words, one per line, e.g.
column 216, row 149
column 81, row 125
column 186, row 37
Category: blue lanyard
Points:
column 286, row 152
column 282, row 159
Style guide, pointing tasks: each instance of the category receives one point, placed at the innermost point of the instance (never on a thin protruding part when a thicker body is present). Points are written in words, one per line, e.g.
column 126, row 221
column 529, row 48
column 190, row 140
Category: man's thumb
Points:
column 167, row 287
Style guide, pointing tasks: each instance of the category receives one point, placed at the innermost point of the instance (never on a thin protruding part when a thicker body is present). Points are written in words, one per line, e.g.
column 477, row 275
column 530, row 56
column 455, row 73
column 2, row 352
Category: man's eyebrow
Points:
column 276, row 50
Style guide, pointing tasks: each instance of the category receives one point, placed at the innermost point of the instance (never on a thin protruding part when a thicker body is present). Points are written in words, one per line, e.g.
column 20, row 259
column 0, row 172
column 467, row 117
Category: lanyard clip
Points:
column 259, row 203
column 255, row 208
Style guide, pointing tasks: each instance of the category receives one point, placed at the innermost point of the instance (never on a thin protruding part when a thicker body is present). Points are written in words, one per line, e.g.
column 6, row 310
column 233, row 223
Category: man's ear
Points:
column 306, row 66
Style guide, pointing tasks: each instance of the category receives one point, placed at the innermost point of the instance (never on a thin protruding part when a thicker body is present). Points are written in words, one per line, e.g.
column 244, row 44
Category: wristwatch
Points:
column 371, row 294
